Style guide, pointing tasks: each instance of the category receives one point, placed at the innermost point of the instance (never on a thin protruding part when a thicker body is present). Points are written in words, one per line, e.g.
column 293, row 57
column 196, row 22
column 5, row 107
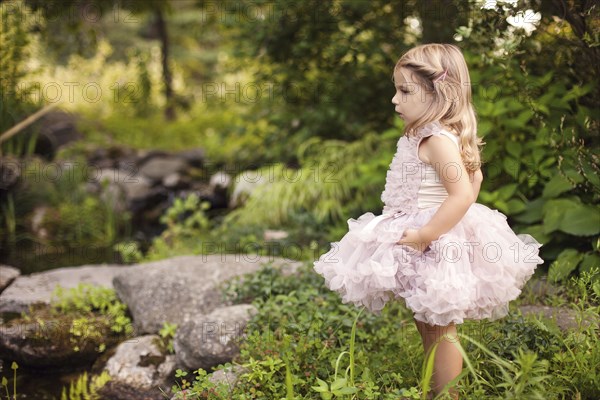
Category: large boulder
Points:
column 179, row 289
column 47, row 342
column 37, row 288
column 7, row 275
column 212, row 339
column 139, row 369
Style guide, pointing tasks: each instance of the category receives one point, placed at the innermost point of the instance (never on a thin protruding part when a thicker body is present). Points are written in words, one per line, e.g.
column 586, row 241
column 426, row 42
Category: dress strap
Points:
column 451, row 136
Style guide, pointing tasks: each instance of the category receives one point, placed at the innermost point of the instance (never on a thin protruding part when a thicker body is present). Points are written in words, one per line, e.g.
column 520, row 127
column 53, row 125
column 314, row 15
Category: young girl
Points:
column 448, row 257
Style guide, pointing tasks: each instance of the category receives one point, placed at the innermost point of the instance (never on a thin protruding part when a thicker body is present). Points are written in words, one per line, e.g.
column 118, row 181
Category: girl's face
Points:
column 411, row 100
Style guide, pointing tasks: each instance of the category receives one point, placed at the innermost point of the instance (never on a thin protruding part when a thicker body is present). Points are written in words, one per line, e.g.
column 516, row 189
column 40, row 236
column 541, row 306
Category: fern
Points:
column 85, row 388
column 323, row 184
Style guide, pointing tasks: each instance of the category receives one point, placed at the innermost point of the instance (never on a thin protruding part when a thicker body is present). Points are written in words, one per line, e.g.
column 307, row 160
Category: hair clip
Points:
column 442, row 77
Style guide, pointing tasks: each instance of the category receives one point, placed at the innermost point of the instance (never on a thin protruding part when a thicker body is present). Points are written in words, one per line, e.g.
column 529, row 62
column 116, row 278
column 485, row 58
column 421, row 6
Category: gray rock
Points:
column 10, row 172
column 136, row 187
column 194, row 157
column 246, row 183
column 212, row 339
column 227, row 376
column 565, row 318
column 175, row 181
column 273, row 235
column 139, row 364
column 158, row 168
column 7, row 275
column 178, row 289
column 219, row 180
column 38, row 287
column 47, row 343
column 540, row 287
column 57, row 129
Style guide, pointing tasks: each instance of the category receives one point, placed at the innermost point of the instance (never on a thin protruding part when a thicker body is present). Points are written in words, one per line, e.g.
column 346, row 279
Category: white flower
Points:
column 527, row 20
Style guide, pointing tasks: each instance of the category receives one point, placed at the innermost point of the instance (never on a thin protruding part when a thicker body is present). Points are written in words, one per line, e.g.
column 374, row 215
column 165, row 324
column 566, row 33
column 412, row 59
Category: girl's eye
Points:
column 404, row 91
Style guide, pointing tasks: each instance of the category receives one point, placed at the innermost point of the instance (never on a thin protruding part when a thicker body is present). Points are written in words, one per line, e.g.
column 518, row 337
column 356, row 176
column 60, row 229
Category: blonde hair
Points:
column 452, row 101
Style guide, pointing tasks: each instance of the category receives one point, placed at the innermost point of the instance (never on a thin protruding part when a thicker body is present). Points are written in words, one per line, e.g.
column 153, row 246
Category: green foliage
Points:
column 16, row 20
column 539, row 125
column 83, row 303
column 200, row 388
column 343, row 385
column 167, row 334
column 329, row 63
column 331, row 174
column 302, row 339
column 186, row 226
column 85, row 388
column 73, row 217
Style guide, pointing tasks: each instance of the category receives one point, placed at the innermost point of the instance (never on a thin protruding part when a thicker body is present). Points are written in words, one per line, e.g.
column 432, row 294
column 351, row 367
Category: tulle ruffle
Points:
column 470, row 272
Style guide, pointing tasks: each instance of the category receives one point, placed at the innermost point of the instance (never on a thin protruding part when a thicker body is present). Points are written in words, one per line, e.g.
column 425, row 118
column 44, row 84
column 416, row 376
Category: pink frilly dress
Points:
column 471, row 272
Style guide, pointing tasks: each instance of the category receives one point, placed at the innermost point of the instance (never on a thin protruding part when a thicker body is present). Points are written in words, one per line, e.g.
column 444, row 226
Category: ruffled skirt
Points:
column 471, row 272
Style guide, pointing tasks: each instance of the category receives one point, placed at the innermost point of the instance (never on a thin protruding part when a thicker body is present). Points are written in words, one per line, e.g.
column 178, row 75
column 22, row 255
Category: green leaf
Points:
column 537, row 231
column 589, row 261
column 506, row 191
column 347, row 390
column 524, row 117
column 338, row 384
column 596, row 287
column 514, row 149
column 591, row 175
column 532, row 213
column 538, row 154
column 574, row 175
column 581, row 220
column 557, row 185
column 511, row 166
column 323, row 386
column 544, row 80
column 515, row 206
column 566, row 263
column 553, row 214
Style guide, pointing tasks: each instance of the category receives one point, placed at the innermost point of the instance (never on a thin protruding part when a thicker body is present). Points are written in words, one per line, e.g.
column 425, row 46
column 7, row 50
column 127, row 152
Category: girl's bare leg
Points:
column 448, row 360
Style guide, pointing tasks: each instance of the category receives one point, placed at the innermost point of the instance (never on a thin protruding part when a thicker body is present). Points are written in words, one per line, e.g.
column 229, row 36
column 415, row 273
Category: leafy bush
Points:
column 539, row 125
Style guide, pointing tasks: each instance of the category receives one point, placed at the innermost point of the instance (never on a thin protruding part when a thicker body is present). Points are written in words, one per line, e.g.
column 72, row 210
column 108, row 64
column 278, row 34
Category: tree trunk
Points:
column 161, row 28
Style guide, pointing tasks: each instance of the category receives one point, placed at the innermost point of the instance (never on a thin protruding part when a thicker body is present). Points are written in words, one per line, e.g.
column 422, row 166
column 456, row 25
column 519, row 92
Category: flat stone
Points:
column 36, row 288
column 7, row 275
column 179, row 289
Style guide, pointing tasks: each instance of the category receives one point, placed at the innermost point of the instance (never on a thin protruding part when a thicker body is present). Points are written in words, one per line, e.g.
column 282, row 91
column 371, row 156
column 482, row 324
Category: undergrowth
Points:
column 305, row 344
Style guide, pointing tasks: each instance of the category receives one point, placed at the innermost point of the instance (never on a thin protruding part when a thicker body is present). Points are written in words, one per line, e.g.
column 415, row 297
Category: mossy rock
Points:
column 45, row 338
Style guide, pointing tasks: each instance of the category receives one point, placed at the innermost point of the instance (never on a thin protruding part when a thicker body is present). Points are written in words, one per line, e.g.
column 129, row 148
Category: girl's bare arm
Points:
column 445, row 158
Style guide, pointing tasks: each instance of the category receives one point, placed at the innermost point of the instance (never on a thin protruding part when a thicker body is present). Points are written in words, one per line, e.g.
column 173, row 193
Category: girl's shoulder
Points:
column 437, row 129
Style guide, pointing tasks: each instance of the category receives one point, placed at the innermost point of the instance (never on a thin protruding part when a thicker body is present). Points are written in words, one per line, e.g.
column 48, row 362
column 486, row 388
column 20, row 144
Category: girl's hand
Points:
column 412, row 238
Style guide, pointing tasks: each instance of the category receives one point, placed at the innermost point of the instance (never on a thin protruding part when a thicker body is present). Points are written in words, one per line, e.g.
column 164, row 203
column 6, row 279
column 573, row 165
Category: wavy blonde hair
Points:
column 452, row 101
